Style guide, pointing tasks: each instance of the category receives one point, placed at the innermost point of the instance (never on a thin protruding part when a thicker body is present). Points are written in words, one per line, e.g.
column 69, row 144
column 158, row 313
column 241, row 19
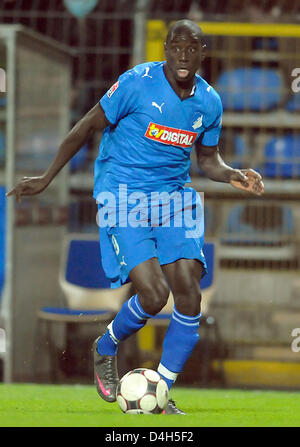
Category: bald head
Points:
column 182, row 27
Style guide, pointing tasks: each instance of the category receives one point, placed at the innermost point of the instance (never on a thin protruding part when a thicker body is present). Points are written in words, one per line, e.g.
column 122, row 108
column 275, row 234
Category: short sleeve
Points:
column 212, row 133
column 120, row 99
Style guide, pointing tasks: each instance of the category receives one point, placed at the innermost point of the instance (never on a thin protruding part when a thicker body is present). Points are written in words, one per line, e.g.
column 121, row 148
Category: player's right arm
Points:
column 94, row 120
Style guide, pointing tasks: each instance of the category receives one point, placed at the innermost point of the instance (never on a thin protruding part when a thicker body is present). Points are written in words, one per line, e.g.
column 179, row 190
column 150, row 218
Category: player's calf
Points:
column 129, row 320
column 179, row 342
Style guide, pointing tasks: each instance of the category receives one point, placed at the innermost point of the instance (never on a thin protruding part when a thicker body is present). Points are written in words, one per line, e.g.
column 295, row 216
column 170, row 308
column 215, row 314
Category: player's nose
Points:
column 183, row 56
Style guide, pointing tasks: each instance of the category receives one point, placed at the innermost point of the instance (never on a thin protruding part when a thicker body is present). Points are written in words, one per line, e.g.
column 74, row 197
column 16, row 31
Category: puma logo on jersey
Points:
column 147, row 73
column 157, row 106
column 197, row 123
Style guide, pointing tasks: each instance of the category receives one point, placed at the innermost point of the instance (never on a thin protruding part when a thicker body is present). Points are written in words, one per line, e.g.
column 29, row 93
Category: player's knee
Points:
column 155, row 296
column 188, row 303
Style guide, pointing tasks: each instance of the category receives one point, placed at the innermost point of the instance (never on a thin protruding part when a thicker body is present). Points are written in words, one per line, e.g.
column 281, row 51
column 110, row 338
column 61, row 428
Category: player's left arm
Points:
column 214, row 167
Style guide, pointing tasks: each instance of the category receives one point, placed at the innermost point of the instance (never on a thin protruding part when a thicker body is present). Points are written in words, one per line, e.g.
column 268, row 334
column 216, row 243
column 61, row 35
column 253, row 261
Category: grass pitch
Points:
column 28, row 405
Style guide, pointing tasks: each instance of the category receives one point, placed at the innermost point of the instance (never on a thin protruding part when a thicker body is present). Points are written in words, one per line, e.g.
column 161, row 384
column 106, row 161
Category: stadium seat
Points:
column 80, row 159
column 82, row 277
column 254, row 89
column 2, row 237
column 282, row 157
column 293, row 104
column 256, row 233
column 258, row 225
column 265, row 43
column 87, row 292
column 240, row 152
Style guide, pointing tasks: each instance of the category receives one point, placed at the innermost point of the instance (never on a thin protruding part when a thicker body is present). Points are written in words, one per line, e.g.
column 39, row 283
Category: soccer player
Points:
column 152, row 117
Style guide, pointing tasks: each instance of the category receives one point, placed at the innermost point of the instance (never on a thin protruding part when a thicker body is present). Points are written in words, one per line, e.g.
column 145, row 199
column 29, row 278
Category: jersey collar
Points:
column 192, row 92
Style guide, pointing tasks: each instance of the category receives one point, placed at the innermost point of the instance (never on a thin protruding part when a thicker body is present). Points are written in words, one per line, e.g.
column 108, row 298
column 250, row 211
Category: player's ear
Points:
column 203, row 52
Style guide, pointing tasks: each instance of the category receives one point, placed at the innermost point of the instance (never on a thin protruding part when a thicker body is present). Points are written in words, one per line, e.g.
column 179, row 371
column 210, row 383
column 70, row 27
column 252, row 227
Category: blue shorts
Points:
column 125, row 247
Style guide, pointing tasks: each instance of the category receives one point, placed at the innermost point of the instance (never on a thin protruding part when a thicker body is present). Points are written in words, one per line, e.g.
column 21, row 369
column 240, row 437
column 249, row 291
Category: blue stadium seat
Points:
column 244, row 225
column 265, row 43
column 82, row 278
column 282, row 157
column 84, row 266
column 255, row 89
column 240, row 152
column 70, row 315
column 293, row 104
column 89, row 298
column 79, row 160
column 2, row 237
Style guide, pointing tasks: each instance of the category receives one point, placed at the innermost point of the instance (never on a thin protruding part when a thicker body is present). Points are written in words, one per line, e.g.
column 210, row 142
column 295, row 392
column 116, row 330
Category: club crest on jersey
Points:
column 112, row 89
column 170, row 135
column 197, row 123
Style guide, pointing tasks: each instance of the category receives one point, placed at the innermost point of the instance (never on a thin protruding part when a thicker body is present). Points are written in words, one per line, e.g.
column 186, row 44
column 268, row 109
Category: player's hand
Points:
column 28, row 186
column 247, row 180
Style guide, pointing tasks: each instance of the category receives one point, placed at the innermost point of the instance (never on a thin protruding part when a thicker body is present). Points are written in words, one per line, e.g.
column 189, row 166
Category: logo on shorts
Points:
column 115, row 244
column 170, row 135
column 112, row 89
column 123, row 261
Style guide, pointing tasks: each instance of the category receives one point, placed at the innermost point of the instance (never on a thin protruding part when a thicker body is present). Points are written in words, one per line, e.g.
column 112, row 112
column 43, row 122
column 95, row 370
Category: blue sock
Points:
column 180, row 339
column 129, row 320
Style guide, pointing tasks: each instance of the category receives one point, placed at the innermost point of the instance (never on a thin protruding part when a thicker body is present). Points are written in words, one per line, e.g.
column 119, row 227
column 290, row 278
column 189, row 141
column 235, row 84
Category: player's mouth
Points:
column 182, row 73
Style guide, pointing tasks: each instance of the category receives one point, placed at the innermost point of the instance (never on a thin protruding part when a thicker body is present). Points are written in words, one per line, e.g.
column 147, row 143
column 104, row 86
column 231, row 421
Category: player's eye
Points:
column 192, row 50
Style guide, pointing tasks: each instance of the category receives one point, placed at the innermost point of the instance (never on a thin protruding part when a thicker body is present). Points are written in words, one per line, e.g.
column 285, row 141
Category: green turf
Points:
column 27, row 405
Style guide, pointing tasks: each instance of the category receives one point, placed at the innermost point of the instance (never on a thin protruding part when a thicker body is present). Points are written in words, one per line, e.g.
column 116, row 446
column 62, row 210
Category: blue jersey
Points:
column 152, row 131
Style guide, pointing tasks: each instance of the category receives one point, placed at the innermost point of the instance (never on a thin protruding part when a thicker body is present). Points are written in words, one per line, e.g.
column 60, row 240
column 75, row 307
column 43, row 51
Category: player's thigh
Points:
column 183, row 276
column 150, row 283
column 136, row 252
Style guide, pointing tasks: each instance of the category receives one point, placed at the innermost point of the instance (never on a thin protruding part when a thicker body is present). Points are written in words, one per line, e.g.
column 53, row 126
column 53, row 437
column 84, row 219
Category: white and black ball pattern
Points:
column 142, row 391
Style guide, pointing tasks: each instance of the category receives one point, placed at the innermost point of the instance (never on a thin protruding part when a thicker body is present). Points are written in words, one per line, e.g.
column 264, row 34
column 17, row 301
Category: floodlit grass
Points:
column 28, row 405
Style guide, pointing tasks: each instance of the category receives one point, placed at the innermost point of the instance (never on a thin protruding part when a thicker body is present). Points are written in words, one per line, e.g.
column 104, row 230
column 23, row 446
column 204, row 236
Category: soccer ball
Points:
column 142, row 391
